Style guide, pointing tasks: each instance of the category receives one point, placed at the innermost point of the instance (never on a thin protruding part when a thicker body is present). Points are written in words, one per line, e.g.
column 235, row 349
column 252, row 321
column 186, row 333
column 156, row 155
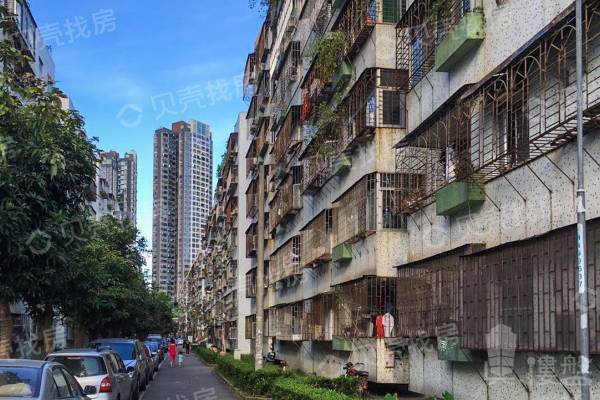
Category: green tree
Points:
column 47, row 167
column 113, row 299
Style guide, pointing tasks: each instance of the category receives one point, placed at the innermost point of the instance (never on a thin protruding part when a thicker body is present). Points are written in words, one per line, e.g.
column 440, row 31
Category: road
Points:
column 194, row 381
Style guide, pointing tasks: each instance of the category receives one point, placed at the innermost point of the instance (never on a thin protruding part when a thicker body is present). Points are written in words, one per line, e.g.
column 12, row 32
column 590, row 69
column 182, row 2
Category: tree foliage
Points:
column 54, row 257
column 114, row 300
column 47, row 166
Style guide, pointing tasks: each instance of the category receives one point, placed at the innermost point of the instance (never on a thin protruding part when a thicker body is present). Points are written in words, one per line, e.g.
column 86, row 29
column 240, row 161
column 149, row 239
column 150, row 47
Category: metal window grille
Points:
column 250, row 327
column 421, row 30
column 521, row 113
column 358, row 305
column 251, row 284
column 287, row 201
column 286, row 261
column 316, row 237
column 318, row 324
column 288, row 138
column 355, row 212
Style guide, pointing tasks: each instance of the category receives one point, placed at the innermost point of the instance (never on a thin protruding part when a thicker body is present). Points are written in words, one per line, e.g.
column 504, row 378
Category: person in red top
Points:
column 172, row 352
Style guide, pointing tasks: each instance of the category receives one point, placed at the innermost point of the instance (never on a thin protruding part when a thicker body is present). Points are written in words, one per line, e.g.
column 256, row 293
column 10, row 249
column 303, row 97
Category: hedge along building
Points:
column 489, row 169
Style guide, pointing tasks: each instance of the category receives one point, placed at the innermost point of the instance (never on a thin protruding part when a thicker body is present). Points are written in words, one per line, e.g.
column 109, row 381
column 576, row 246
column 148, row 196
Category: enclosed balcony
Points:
column 366, row 207
column 289, row 323
column 524, row 111
column 252, row 200
column 287, row 139
column 375, row 101
column 285, row 262
column 249, row 77
column 318, row 318
column 316, row 237
column 251, row 241
column 287, row 71
column 364, row 309
column 358, row 18
column 262, row 48
column 430, row 35
column 288, row 199
column 318, row 166
column 251, row 284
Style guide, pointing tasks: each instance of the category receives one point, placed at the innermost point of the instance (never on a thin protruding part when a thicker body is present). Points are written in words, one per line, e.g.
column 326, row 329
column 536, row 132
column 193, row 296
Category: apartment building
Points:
column 420, row 198
column 217, row 294
column 116, row 186
column 28, row 39
column 127, row 186
column 182, row 200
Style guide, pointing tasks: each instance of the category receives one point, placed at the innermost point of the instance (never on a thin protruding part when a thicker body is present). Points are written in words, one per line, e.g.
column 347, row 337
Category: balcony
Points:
column 251, row 284
column 249, row 77
column 28, row 37
column 355, row 214
column 288, row 138
column 430, row 36
column 318, row 168
column 358, row 18
column 251, row 241
column 318, row 324
column 262, row 44
column 252, row 200
column 289, row 324
column 287, row 72
column 286, row 261
column 358, row 305
column 287, row 201
column 500, row 124
column 316, row 237
column 374, row 101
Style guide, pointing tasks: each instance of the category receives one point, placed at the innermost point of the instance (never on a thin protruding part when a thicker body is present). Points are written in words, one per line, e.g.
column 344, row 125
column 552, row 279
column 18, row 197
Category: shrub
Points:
column 342, row 384
column 295, row 389
column 210, row 357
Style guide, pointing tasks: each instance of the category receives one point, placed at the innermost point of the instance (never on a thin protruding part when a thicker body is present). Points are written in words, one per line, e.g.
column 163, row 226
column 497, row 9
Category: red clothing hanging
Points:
column 379, row 325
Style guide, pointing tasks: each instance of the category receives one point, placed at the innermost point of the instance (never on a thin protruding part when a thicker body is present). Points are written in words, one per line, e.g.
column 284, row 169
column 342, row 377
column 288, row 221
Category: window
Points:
column 393, row 104
column 19, row 382
column 81, row 367
column 63, row 390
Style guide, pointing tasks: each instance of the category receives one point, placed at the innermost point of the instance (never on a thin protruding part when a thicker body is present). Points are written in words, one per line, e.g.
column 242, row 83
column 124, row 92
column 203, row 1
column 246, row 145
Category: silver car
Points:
column 101, row 374
column 40, row 380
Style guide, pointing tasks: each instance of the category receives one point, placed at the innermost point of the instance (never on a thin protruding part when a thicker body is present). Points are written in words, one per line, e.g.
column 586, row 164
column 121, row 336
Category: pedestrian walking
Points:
column 186, row 346
column 172, row 352
column 180, row 358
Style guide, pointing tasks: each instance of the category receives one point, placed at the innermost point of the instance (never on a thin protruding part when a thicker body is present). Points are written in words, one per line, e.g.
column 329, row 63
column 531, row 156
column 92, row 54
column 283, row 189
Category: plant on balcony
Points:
column 328, row 121
column 329, row 54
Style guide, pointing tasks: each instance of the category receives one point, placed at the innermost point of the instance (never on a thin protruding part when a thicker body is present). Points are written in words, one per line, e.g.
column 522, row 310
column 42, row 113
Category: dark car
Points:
column 41, row 380
column 134, row 355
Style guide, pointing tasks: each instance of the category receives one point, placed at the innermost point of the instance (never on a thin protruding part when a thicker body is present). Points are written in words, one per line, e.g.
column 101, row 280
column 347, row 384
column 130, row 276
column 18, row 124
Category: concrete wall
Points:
column 525, row 378
column 244, row 265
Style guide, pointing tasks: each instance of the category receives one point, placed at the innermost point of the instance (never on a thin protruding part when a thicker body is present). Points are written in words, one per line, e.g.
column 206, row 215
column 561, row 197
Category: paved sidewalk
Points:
column 194, row 381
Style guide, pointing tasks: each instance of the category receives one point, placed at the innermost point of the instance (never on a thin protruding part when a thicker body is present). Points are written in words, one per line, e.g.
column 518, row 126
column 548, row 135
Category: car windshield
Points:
column 153, row 346
column 81, row 366
column 125, row 350
column 19, row 381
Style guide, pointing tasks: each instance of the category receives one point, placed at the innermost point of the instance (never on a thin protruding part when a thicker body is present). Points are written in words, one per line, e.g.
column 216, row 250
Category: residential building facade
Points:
column 421, row 193
column 217, row 291
column 116, row 186
column 182, row 200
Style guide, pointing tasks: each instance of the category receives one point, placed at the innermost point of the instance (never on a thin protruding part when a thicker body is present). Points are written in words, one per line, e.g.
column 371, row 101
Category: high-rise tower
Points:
column 182, row 200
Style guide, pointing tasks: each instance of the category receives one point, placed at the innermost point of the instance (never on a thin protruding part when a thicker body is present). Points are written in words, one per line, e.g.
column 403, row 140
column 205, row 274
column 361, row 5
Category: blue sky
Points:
column 133, row 66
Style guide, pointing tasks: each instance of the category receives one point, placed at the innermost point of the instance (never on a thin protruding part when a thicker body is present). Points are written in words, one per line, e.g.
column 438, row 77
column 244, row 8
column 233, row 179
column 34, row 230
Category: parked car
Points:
column 180, row 342
column 156, row 351
column 102, row 374
column 153, row 357
column 40, row 380
column 133, row 353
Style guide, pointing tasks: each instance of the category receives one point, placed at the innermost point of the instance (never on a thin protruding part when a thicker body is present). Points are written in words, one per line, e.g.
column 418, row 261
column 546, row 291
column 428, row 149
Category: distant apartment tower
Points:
column 127, row 186
column 116, row 185
column 182, row 200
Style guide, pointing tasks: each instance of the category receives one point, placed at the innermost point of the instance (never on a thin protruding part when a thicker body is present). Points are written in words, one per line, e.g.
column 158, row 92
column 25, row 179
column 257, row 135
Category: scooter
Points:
column 363, row 377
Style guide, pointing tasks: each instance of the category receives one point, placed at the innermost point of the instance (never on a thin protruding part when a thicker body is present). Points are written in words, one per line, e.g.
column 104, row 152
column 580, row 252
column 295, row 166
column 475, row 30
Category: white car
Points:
column 101, row 374
column 180, row 342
